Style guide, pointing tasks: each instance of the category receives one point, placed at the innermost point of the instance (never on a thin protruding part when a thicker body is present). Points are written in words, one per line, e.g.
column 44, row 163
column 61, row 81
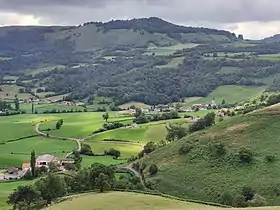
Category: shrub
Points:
column 218, row 149
column 186, row 148
column 113, row 152
column 270, row 158
column 226, row 199
column 153, row 169
column 245, row 156
column 257, row 201
column 248, row 193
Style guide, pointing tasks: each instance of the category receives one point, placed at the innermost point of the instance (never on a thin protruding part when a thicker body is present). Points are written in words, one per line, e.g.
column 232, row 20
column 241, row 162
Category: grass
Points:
column 106, row 160
column 78, row 125
column 9, row 92
column 132, row 201
column 174, row 63
column 41, row 108
column 127, row 150
column 165, row 51
column 270, row 57
column 199, row 175
column 141, row 135
column 231, row 94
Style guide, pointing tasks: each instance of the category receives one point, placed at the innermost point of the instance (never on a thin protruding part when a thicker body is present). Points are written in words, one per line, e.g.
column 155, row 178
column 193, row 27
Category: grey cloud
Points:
column 183, row 11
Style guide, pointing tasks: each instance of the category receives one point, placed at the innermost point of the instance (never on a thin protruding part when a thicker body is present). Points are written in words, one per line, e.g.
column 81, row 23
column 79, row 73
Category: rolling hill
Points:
column 229, row 163
column 145, row 60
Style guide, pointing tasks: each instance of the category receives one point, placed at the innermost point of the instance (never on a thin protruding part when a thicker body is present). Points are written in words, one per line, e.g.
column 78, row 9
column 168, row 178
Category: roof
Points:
column 46, row 158
column 25, row 166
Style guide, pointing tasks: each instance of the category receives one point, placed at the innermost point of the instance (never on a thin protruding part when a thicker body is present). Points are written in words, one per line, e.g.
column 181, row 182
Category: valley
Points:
column 159, row 115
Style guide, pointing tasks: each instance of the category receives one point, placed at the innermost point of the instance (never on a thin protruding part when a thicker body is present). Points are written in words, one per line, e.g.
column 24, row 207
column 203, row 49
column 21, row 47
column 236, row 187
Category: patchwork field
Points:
column 79, row 125
column 165, row 51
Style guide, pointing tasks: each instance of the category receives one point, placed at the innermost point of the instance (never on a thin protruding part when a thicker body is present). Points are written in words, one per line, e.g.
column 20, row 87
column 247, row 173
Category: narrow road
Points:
column 78, row 141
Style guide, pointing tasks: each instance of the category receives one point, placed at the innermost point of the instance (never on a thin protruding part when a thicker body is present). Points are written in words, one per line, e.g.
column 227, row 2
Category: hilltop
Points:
column 229, row 163
column 146, row 60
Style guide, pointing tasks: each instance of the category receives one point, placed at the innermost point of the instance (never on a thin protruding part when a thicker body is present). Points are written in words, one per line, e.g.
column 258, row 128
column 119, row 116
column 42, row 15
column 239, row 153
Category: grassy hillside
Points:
column 210, row 173
column 231, row 94
column 131, row 201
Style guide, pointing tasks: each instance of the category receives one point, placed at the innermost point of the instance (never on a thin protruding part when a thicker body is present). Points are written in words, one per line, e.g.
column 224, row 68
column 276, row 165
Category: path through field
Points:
column 37, row 129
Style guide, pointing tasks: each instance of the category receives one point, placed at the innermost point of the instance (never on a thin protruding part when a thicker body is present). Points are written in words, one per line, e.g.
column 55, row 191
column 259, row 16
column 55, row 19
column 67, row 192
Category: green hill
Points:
column 133, row 201
column 224, row 163
column 146, row 60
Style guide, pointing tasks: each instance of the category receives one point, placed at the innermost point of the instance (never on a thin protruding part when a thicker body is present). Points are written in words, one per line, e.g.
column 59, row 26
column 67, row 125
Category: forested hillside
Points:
column 146, row 60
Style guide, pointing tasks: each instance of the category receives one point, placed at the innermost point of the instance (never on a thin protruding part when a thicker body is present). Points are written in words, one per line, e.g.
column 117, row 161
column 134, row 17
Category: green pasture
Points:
column 165, row 51
column 270, row 57
column 79, row 125
column 106, row 160
column 41, row 108
column 136, row 104
column 231, row 94
column 142, row 134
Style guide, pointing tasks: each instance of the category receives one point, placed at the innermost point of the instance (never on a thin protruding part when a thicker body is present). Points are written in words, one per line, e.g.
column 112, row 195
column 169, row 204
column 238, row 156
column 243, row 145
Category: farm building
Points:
column 44, row 160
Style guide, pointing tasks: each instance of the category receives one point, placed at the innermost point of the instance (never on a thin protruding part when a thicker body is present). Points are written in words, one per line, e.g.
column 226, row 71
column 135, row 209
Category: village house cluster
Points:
column 42, row 160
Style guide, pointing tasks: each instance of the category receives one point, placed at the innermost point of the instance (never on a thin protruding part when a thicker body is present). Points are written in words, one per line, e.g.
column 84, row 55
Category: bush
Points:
column 248, row 193
column 186, row 148
column 245, row 156
column 113, row 152
column 226, row 199
column 218, row 149
column 153, row 169
column 257, row 201
column 270, row 158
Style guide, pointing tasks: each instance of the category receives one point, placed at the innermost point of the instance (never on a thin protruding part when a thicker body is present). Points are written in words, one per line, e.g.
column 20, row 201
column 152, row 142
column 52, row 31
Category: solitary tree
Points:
column 102, row 182
column 138, row 112
column 105, row 116
column 33, row 163
column 58, row 125
column 17, row 104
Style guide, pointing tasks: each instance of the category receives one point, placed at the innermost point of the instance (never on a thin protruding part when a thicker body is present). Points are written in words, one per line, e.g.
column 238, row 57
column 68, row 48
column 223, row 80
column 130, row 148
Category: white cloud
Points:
column 18, row 19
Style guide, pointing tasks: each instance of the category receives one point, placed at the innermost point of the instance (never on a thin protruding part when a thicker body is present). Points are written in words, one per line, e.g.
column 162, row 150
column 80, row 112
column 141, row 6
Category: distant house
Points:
column 44, row 160
column 12, row 171
column 67, row 161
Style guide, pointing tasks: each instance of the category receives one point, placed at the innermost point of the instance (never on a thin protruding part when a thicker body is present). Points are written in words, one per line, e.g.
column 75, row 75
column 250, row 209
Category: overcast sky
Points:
column 253, row 18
